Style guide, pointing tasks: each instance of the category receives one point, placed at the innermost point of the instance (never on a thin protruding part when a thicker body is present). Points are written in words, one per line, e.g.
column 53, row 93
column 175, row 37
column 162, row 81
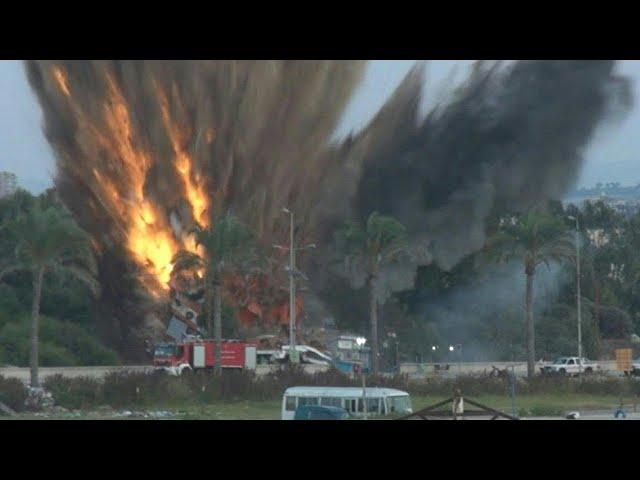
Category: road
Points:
column 415, row 371
column 101, row 371
column 593, row 415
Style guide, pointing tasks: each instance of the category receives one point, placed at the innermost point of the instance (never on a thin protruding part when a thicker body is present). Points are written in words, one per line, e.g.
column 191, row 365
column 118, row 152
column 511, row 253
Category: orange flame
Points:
column 62, row 81
column 148, row 235
column 194, row 190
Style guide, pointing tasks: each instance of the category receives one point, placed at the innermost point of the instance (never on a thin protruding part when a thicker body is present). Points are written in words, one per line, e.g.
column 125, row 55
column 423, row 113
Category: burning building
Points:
column 147, row 149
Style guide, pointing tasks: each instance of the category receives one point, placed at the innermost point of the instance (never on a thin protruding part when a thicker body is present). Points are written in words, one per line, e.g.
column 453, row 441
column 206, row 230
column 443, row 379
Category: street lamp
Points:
column 293, row 352
column 397, row 356
column 434, row 349
column 578, row 300
column 360, row 341
column 452, row 348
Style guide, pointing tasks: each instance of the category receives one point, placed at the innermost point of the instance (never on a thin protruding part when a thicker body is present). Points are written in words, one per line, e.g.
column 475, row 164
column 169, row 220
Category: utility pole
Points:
column 578, row 295
column 293, row 352
column 361, row 341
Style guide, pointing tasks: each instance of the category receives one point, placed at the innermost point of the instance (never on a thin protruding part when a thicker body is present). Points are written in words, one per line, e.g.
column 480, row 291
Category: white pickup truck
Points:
column 571, row 366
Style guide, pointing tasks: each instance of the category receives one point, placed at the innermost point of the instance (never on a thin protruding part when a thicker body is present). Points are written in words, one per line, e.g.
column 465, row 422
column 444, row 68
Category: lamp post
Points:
column 395, row 340
column 578, row 299
column 293, row 352
column 458, row 347
column 361, row 341
column 434, row 349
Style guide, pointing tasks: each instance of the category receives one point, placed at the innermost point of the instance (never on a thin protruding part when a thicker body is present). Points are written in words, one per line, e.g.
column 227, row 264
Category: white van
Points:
column 380, row 401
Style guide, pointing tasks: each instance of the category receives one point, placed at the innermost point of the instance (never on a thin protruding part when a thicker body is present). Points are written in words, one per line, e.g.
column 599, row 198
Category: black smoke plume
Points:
column 139, row 142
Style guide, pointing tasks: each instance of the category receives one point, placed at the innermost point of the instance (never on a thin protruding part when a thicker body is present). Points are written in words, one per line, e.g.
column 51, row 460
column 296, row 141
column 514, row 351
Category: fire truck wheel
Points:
column 186, row 372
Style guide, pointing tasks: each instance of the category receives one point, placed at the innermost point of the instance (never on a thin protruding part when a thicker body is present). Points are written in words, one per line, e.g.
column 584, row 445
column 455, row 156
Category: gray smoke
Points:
column 258, row 134
column 512, row 136
column 496, row 298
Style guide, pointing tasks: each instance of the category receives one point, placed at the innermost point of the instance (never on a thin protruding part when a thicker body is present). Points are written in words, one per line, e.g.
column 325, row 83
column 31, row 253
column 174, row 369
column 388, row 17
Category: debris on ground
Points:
column 144, row 414
column 38, row 399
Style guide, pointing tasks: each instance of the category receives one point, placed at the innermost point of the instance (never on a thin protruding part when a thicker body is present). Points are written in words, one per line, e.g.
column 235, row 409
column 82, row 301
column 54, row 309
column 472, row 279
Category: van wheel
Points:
column 562, row 371
column 588, row 371
column 186, row 372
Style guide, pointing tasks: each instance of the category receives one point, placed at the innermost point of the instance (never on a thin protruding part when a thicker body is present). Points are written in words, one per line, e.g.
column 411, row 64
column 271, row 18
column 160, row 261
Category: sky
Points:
column 611, row 157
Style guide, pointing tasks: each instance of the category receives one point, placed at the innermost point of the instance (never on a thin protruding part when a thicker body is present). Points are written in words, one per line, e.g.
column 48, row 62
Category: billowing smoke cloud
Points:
column 491, row 310
column 146, row 148
column 512, row 135
column 509, row 137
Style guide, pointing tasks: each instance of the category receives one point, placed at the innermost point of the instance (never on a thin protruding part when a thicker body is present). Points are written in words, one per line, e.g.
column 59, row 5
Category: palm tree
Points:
column 368, row 249
column 534, row 238
column 226, row 248
column 47, row 240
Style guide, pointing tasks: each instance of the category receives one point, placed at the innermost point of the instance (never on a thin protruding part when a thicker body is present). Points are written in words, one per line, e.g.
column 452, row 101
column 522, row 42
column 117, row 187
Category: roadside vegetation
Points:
column 479, row 303
column 241, row 394
column 46, row 286
column 467, row 305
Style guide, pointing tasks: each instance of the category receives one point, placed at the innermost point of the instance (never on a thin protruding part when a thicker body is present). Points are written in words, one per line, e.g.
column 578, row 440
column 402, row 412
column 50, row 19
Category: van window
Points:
column 307, row 401
column 331, row 402
column 290, row 404
column 399, row 404
column 373, row 405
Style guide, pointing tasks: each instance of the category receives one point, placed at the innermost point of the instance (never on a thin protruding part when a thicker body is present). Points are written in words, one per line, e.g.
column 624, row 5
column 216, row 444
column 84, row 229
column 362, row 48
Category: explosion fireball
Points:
column 147, row 149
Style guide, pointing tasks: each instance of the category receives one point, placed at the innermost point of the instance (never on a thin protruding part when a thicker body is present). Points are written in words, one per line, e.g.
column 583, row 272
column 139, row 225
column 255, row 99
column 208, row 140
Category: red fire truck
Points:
column 198, row 354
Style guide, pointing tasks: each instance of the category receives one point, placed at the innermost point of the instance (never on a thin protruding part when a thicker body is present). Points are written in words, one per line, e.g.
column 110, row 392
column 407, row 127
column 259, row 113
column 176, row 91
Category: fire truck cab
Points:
column 198, row 354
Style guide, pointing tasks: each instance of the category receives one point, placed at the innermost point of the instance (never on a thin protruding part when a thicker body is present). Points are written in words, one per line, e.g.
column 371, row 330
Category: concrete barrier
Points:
column 414, row 370
column 468, row 368
column 73, row 372
column 100, row 372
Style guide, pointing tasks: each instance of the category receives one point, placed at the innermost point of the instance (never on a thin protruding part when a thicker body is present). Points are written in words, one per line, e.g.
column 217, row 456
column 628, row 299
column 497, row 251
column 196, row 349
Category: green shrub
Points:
column 143, row 389
column 14, row 341
column 51, row 355
column 62, row 344
column 74, row 393
column 541, row 411
column 12, row 393
column 86, row 348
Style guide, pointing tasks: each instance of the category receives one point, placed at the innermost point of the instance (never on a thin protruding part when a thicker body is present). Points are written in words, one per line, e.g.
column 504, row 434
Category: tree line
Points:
column 48, row 268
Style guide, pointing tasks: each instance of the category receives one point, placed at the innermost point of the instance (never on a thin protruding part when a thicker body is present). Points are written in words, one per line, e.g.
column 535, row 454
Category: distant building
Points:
column 8, row 184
